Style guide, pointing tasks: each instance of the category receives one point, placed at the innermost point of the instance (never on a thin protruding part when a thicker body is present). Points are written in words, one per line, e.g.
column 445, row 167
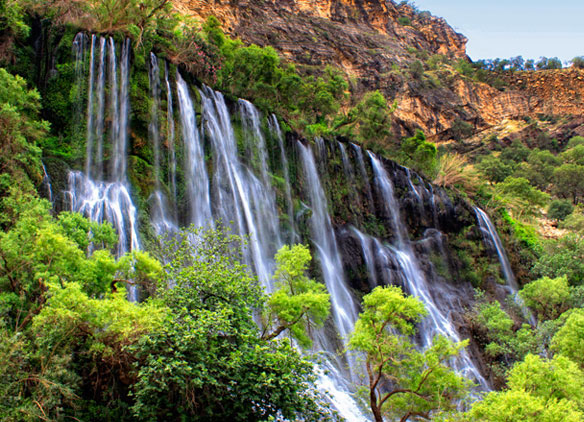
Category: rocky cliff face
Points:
column 374, row 41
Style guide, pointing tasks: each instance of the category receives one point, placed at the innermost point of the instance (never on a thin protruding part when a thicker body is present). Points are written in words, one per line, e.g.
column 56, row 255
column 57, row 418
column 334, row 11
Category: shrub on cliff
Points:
column 578, row 62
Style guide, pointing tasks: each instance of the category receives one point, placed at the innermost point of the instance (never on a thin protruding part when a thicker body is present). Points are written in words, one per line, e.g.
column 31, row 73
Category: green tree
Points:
column 540, row 169
column 403, row 381
column 516, row 152
column 20, row 130
column 569, row 340
column 503, row 344
column 539, row 390
column 548, row 297
column 569, row 181
column 560, row 209
column 420, row 154
column 521, row 196
column 562, row 257
column 298, row 302
column 372, row 116
column 12, row 18
column 494, row 169
column 575, row 140
column 578, row 62
column 574, row 155
column 545, row 63
column 210, row 360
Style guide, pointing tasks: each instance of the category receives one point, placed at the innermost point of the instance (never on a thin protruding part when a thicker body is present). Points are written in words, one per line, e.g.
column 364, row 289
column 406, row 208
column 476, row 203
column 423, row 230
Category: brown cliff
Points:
column 374, row 41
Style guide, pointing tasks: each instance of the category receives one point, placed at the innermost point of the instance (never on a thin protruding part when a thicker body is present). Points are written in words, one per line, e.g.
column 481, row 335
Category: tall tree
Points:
column 404, row 382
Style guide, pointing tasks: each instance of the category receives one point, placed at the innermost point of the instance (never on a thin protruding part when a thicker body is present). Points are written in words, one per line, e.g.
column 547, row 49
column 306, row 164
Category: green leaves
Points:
column 404, row 381
column 420, row 154
column 210, row 361
column 569, row 340
column 298, row 301
column 539, row 390
column 548, row 297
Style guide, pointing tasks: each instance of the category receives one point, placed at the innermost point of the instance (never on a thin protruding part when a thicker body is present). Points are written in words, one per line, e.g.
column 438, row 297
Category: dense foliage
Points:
column 73, row 347
column 403, row 381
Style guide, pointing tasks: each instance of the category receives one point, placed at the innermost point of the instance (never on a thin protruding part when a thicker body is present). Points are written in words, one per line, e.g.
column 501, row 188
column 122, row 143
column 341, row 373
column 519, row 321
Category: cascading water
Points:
column 89, row 193
column 79, row 52
column 414, row 281
column 170, row 135
column 344, row 310
column 323, row 236
column 159, row 214
column 363, row 172
column 493, row 242
column 46, row 183
column 196, row 177
column 240, row 196
column 228, row 178
column 100, row 119
column 277, row 132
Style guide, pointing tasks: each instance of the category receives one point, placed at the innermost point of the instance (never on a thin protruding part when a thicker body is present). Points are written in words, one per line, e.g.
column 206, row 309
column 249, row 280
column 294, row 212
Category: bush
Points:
column 518, row 193
column 559, row 209
column 494, row 169
column 548, row 297
column 416, row 69
column 454, row 171
column 461, row 129
column 404, row 21
column 420, row 154
column 578, row 62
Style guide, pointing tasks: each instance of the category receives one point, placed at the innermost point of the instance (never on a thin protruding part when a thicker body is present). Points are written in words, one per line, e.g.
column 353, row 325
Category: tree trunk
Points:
column 374, row 408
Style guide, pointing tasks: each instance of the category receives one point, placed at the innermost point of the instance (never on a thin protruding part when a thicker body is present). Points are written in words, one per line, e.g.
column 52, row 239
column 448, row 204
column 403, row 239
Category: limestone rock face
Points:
column 370, row 39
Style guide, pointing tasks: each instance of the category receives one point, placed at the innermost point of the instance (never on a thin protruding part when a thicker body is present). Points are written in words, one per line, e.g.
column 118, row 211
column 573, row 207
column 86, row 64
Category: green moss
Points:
column 141, row 175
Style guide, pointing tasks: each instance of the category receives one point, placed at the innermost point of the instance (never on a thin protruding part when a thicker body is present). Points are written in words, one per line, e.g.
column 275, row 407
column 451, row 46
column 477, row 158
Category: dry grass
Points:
column 454, row 171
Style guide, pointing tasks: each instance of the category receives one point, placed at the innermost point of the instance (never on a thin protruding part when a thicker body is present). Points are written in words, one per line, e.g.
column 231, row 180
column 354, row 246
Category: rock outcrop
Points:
column 374, row 42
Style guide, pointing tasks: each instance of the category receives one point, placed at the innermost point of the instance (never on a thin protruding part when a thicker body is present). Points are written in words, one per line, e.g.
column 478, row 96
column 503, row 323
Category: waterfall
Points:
column 79, row 51
column 343, row 308
column 170, row 135
column 160, row 217
column 275, row 129
column 90, row 193
column 100, row 120
column 323, row 236
column 46, row 183
column 415, row 283
column 363, row 173
column 195, row 169
column 90, row 117
column 230, row 173
column 120, row 145
column 493, row 242
column 241, row 196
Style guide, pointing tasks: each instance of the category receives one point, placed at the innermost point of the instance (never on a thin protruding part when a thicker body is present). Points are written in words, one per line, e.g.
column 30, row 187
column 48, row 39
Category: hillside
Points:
column 375, row 42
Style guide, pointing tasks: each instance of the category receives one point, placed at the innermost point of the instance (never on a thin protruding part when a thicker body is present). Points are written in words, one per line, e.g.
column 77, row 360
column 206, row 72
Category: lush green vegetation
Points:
column 403, row 381
column 73, row 347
